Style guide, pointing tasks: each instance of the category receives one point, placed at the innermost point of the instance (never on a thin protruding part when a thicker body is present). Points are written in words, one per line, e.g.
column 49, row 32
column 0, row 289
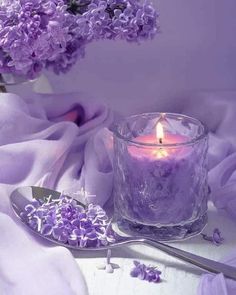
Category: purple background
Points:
column 196, row 50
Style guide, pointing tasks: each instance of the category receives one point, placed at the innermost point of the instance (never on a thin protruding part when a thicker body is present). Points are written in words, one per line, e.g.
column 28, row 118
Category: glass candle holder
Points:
column 160, row 175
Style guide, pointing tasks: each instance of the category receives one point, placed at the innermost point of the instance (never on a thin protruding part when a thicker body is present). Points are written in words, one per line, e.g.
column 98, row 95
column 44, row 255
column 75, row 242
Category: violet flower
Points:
column 216, row 237
column 35, row 34
column 66, row 221
column 147, row 273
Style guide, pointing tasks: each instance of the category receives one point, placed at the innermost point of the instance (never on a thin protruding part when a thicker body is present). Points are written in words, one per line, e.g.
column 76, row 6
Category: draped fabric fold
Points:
column 59, row 142
column 218, row 111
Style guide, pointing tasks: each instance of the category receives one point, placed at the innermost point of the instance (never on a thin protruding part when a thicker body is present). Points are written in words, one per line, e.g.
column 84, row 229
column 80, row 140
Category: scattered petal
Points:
column 147, row 273
column 215, row 238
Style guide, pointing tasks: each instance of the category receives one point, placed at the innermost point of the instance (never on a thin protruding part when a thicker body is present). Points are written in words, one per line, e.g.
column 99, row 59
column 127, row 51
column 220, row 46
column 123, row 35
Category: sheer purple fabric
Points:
column 57, row 142
column 218, row 111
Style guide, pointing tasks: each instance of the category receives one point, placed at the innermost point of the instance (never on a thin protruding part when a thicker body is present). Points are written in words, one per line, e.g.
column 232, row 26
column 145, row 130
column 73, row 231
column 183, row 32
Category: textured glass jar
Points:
column 160, row 184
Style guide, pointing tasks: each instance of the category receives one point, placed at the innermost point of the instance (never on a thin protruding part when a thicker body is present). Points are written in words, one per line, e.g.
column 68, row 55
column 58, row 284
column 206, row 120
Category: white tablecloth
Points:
column 178, row 278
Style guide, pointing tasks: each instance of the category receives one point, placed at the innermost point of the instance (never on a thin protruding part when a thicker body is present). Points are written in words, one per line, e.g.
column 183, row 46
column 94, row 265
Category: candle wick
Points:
column 160, row 140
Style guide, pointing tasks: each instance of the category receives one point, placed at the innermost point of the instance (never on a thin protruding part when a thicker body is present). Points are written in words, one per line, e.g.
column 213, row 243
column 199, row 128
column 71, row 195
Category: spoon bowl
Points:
column 27, row 195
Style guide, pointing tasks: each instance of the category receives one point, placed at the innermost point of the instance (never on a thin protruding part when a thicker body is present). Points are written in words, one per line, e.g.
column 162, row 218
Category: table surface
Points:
column 177, row 277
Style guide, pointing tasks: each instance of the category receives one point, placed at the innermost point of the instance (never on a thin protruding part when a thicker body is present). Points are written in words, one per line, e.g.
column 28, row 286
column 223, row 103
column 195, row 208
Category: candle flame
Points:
column 160, row 153
column 159, row 132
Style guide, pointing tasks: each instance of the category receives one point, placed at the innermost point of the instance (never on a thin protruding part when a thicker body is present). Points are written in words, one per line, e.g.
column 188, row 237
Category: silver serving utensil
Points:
column 25, row 195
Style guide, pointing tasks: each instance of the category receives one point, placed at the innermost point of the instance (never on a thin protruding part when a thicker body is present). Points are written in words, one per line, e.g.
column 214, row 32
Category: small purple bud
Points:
column 75, row 222
column 46, row 229
column 63, row 238
column 216, row 237
column 143, row 272
column 73, row 241
column 30, row 209
column 83, row 242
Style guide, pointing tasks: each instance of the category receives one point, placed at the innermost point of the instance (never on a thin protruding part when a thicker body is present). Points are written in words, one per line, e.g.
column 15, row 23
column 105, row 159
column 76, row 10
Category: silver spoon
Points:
column 25, row 195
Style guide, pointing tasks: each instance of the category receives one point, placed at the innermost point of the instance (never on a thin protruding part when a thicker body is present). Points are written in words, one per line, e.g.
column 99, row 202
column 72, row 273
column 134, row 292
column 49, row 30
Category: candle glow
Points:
column 160, row 152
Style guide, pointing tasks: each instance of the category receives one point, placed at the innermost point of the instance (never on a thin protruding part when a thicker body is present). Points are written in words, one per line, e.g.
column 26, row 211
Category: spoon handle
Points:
column 202, row 262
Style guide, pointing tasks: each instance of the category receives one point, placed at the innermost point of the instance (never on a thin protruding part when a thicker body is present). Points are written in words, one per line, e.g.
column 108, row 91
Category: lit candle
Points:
column 160, row 174
column 161, row 139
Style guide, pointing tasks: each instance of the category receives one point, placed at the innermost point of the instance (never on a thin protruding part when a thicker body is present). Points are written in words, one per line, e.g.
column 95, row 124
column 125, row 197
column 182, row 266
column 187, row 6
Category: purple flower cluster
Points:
column 32, row 32
column 35, row 34
column 123, row 19
column 66, row 221
column 147, row 273
column 215, row 238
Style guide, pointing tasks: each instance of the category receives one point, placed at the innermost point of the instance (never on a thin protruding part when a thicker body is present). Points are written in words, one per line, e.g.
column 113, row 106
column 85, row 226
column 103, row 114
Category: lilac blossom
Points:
column 35, row 34
column 32, row 33
column 215, row 238
column 118, row 19
column 147, row 273
column 66, row 221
